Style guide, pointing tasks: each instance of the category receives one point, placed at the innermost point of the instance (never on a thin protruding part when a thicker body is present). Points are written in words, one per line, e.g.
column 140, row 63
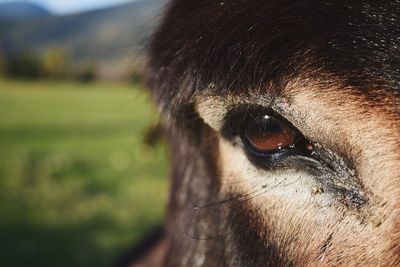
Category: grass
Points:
column 77, row 184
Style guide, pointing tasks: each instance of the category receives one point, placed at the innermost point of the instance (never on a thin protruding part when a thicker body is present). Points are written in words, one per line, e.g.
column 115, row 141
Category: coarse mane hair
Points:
column 240, row 45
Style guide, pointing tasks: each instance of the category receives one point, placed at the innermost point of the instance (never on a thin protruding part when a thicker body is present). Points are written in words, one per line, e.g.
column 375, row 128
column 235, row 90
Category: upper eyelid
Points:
column 214, row 109
column 238, row 115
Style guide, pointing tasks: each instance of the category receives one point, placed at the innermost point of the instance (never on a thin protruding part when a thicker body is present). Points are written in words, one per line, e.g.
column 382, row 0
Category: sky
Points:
column 71, row 6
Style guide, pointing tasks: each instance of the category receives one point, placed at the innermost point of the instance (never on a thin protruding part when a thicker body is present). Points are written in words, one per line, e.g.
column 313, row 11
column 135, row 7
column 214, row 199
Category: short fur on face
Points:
column 329, row 67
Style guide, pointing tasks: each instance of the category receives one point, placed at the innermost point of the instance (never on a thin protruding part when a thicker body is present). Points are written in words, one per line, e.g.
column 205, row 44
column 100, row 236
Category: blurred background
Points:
column 83, row 178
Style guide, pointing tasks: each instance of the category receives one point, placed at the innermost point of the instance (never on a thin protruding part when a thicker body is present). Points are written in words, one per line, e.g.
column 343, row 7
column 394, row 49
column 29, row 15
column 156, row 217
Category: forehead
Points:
column 234, row 47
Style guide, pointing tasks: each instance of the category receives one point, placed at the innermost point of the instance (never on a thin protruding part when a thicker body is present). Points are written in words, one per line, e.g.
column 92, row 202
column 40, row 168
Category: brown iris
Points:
column 268, row 134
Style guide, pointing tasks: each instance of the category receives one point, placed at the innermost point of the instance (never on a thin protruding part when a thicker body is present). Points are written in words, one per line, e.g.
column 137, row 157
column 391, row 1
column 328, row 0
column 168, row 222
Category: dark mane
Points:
column 202, row 42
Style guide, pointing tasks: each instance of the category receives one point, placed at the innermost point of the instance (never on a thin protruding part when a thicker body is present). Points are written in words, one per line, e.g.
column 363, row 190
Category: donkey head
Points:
column 284, row 127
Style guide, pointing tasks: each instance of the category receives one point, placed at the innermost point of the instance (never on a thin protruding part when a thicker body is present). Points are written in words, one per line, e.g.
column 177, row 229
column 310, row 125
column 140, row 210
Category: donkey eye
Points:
column 268, row 134
column 267, row 137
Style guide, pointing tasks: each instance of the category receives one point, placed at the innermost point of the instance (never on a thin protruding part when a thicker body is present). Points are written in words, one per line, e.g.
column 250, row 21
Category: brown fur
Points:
column 363, row 237
column 331, row 69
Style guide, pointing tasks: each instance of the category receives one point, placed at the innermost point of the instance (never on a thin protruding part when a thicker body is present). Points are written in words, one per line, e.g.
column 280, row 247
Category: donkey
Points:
column 283, row 119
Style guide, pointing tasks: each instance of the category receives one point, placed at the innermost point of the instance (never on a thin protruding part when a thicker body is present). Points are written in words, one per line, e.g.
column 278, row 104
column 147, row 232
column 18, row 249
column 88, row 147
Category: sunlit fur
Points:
column 331, row 68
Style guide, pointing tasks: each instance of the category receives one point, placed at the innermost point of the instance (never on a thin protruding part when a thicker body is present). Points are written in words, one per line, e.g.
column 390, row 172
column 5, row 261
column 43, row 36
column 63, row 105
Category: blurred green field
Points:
column 77, row 184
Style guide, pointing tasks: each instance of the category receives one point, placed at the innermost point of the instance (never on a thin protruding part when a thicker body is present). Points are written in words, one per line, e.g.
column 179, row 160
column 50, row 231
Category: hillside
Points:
column 21, row 10
column 110, row 38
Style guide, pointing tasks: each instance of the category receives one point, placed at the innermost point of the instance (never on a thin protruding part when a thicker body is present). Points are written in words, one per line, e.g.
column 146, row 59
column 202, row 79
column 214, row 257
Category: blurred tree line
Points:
column 53, row 64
